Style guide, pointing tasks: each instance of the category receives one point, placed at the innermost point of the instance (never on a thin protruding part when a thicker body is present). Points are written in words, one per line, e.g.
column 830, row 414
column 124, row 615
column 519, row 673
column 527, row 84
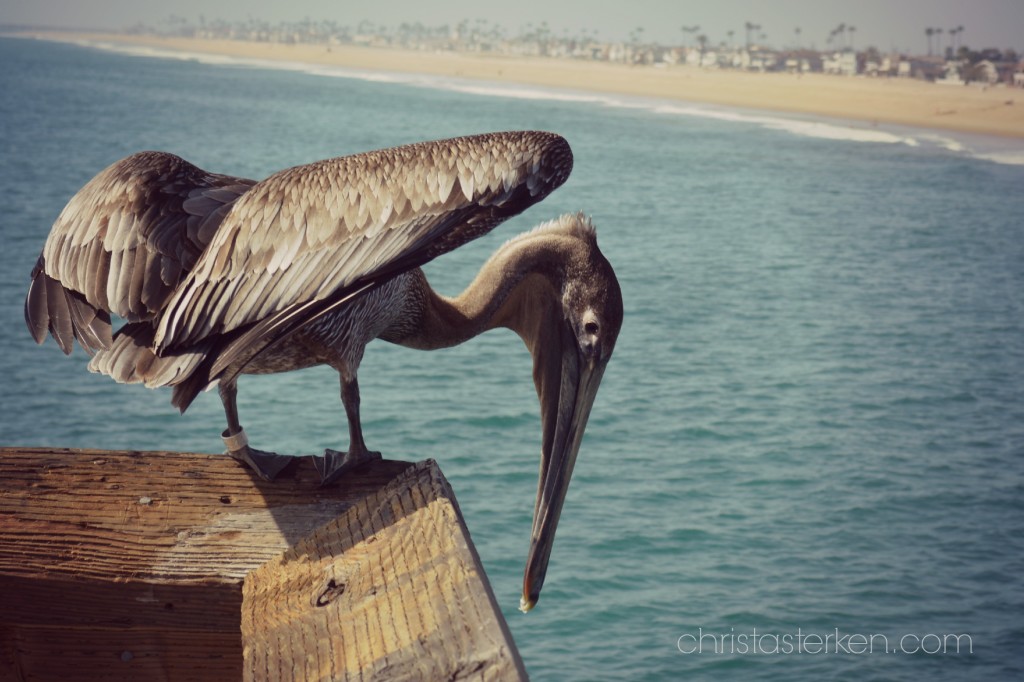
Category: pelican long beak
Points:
column 566, row 387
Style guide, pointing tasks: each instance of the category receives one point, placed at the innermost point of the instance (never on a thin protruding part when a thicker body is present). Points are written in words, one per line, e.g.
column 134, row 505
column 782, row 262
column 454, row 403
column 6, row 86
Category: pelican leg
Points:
column 334, row 464
column 266, row 464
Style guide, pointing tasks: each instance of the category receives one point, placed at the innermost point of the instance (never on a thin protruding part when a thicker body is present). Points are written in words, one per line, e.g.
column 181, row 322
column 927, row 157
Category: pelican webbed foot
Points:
column 334, row 464
column 267, row 465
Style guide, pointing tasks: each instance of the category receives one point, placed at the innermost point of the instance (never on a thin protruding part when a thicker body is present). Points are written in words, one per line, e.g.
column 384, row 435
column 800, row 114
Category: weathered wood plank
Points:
column 390, row 590
column 91, row 653
column 130, row 565
column 158, row 515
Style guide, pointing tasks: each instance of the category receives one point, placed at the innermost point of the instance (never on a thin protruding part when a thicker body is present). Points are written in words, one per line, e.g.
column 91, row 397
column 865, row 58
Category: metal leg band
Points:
column 235, row 442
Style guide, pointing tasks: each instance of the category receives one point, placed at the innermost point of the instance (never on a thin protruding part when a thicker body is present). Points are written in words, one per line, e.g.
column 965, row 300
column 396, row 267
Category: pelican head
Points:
column 571, row 348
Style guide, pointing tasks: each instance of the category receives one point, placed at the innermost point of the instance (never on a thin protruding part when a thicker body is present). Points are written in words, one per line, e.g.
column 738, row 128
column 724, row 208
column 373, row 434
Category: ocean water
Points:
column 806, row 460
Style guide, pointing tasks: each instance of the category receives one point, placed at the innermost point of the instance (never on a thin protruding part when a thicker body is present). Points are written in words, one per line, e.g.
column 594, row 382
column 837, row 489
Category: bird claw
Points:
column 267, row 465
column 334, row 464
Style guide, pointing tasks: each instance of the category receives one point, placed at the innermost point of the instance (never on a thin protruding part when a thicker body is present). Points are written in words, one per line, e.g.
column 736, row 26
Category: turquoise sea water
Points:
column 813, row 423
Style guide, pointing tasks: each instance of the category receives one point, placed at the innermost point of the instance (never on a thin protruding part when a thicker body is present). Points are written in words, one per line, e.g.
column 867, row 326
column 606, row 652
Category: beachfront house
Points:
column 952, row 75
column 801, row 64
column 842, row 63
column 882, row 66
column 985, row 71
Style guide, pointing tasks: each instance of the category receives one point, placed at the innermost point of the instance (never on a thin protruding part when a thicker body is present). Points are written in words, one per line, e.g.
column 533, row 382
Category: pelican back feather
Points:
column 122, row 245
column 305, row 241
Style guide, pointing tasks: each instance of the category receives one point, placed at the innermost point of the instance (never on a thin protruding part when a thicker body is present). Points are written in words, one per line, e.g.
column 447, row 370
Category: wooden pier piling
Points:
column 173, row 566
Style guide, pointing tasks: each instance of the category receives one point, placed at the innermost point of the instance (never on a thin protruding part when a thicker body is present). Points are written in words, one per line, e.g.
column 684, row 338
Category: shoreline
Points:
column 996, row 111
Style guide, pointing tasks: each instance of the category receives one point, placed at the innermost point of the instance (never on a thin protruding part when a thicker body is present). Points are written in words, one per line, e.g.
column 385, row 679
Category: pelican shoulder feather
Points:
column 311, row 234
column 123, row 243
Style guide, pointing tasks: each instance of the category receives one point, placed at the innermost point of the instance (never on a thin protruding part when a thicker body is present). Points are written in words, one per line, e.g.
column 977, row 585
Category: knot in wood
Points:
column 328, row 592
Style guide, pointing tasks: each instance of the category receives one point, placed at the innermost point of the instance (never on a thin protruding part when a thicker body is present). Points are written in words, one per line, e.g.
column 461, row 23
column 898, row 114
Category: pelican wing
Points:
column 122, row 245
column 307, row 238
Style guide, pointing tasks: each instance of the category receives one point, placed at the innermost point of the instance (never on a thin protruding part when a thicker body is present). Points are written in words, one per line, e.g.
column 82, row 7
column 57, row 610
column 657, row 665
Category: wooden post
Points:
column 172, row 566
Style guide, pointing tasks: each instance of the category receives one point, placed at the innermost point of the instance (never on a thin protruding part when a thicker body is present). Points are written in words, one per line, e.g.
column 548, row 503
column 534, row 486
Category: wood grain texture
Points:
column 390, row 590
column 130, row 565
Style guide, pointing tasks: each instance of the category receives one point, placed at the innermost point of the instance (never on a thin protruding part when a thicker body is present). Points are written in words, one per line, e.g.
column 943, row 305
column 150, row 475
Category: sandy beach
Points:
column 974, row 109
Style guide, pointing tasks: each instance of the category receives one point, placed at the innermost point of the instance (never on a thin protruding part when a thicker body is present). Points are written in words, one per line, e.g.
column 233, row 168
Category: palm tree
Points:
column 636, row 35
column 929, row 32
column 953, row 35
column 847, row 35
column 750, row 26
column 797, row 32
column 690, row 29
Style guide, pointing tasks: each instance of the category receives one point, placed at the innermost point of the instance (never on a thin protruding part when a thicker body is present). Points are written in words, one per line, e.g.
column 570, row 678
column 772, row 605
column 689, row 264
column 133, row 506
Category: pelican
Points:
column 217, row 276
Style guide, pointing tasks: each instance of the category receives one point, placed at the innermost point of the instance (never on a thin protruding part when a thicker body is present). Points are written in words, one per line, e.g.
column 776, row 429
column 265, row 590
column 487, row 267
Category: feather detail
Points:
column 211, row 270
column 285, row 221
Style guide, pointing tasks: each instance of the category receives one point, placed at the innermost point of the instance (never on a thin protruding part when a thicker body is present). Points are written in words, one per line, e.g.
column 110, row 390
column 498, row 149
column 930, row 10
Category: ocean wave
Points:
column 1006, row 158
column 804, row 127
column 796, row 126
column 160, row 53
column 947, row 143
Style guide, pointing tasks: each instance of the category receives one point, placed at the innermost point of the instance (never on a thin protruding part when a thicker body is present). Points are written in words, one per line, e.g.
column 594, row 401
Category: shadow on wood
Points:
column 172, row 566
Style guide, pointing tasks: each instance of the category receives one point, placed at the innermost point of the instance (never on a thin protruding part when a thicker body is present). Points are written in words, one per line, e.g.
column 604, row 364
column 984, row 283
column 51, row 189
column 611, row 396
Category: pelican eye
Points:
column 590, row 327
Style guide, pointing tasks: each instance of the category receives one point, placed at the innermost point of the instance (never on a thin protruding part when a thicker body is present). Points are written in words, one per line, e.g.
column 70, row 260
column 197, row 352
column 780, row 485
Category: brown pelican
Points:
column 217, row 276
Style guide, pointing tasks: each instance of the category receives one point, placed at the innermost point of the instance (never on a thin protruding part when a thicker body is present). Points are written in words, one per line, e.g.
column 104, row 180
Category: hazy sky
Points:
column 885, row 24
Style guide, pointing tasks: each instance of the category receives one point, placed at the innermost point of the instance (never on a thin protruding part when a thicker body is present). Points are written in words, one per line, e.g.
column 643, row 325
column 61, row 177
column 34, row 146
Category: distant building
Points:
column 928, row 68
column 985, row 71
column 883, row 66
column 952, row 75
column 842, row 63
